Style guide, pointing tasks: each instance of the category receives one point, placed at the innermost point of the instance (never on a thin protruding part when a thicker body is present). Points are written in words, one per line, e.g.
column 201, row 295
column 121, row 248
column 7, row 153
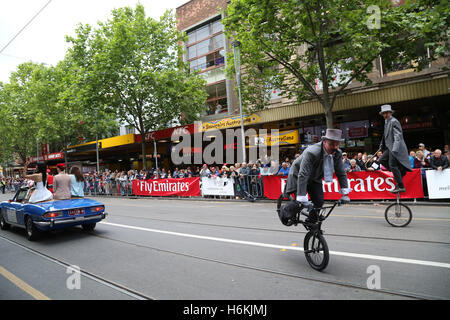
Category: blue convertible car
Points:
column 49, row 215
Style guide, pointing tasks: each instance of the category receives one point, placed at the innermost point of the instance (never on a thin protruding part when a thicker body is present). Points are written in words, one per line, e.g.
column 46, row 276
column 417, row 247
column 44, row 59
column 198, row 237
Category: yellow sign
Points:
column 282, row 138
column 117, row 141
column 229, row 122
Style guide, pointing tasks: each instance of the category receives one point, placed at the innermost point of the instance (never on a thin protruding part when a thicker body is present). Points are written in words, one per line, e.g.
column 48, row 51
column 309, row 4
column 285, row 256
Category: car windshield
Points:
column 23, row 195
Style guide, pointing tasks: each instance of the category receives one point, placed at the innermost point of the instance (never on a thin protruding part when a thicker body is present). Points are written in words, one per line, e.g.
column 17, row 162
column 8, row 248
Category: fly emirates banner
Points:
column 187, row 187
column 366, row 185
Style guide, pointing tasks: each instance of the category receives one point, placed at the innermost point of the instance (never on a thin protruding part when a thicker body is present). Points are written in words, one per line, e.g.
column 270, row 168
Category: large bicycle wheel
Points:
column 316, row 250
column 398, row 215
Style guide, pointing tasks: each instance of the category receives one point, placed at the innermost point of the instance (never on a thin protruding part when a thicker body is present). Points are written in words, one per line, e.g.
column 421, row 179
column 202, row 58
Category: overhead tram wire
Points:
column 26, row 25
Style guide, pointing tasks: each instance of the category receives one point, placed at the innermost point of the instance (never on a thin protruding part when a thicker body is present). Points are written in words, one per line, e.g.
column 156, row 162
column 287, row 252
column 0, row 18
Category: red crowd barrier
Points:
column 366, row 185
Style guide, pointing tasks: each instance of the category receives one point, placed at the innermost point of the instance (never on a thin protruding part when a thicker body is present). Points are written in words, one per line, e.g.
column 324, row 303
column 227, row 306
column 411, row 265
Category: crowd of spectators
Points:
column 247, row 176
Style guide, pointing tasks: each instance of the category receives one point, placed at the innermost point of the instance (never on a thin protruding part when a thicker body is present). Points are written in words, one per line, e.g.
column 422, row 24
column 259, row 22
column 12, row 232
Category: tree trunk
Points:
column 329, row 118
column 144, row 158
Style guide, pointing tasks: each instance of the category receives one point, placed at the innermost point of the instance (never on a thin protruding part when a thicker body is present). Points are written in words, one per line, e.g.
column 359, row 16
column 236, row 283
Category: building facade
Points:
column 421, row 99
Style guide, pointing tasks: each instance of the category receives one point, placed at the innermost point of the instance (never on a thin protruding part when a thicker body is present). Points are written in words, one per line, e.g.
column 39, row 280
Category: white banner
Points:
column 217, row 187
column 438, row 183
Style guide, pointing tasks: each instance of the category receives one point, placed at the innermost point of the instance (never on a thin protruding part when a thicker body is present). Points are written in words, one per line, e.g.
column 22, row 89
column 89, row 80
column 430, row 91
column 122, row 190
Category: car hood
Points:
column 58, row 205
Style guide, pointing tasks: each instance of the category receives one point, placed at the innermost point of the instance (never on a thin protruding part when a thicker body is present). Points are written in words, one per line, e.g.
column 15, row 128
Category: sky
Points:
column 43, row 40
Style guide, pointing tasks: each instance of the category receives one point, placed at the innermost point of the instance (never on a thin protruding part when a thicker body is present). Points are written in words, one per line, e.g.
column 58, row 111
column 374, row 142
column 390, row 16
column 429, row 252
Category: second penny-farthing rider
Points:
column 317, row 162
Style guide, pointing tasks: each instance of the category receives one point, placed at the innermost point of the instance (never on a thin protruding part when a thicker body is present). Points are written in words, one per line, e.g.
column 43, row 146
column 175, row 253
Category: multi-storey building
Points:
column 421, row 99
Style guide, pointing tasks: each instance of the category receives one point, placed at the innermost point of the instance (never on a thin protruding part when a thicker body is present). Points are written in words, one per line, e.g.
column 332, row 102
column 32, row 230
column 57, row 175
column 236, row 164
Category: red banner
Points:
column 188, row 187
column 366, row 185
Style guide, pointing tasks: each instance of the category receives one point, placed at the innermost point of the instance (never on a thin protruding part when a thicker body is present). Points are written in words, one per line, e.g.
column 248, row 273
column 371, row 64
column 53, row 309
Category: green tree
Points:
column 19, row 107
column 68, row 108
column 290, row 44
column 135, row 62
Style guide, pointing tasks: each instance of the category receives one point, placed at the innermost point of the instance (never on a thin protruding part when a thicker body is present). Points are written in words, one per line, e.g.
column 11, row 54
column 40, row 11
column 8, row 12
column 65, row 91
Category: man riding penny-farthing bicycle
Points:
column 316, row 163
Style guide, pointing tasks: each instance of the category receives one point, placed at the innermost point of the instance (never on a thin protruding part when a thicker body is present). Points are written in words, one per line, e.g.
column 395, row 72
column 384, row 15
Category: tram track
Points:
column 140, row 296
column 283, row 231
column 99, row 279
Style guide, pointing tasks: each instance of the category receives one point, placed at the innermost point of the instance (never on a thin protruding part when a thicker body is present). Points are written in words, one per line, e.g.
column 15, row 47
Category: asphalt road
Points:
column 189, row 250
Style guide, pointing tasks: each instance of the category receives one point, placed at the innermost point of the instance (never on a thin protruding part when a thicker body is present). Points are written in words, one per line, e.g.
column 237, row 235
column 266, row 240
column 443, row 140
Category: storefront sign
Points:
column 281, row 139
column 167, row 133
column 217, row 186
column 365, row 185
column 229, row 122
column 117, row 141
column 47, row 157
column 188, row 187
column 438, row 183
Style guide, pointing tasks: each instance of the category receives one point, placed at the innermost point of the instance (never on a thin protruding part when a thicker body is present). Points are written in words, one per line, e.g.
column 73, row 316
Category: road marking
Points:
column 274, row 246
column 23, row 285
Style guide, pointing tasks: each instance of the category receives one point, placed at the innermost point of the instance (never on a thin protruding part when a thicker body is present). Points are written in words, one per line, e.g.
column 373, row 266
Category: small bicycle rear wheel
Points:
column 316, row 250
column 398, row 215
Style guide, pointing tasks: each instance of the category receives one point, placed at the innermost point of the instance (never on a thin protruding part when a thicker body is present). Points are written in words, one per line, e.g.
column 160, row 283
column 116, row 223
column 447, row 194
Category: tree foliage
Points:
column 135, row 63
column 291, row 44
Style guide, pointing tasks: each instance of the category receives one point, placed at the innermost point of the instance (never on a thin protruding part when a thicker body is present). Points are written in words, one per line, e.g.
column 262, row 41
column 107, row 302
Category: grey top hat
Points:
column 333, row 134
column 386, row 108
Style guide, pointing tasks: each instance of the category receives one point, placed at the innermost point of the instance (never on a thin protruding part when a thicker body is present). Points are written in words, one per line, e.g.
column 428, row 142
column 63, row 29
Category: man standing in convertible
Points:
column 317, row 162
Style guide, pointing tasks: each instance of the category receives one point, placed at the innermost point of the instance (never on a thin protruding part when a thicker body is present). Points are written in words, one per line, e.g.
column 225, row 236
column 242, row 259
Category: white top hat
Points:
column 333, row 134
column 386, row 108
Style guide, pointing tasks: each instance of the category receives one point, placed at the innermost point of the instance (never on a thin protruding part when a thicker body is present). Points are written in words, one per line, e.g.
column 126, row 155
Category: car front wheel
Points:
column 3, row 224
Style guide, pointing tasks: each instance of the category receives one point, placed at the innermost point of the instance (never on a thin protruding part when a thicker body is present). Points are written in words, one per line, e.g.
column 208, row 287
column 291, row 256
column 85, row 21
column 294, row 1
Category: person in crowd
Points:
column 224, row 172
column 3, row 184
column 375, row 164
column 255, row 181
column 412, row 156
column 62, row 183
column 353, row 166
column 395, row 154
column 265, row 170
column 77, row 183
column 447, row 154
column 274, row 167
column 420, row 161
column 163, row 173
column 284, row 171
column 424, row 150
column 205, row 171
column 438, row 161
column 244, row 172
column 345, row 161
column 360, row 162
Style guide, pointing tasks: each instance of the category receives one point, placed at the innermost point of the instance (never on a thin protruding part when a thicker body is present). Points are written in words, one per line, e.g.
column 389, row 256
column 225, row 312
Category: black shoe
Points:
column 398, row 189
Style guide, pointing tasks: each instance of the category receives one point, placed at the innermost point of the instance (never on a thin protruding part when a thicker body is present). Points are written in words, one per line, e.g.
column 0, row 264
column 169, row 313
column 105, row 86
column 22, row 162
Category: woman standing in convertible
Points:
column 41, row 193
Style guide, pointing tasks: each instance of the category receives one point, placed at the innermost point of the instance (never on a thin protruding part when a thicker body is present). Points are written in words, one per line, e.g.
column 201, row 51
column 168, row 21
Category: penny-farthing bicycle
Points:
column 398, row 214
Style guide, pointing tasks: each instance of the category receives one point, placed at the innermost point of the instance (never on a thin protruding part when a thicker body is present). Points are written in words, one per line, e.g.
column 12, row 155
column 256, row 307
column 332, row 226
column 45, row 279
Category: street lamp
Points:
column 237, row 66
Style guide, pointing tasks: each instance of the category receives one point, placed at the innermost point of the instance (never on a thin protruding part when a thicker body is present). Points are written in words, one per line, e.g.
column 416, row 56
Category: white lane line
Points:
column 274, row 246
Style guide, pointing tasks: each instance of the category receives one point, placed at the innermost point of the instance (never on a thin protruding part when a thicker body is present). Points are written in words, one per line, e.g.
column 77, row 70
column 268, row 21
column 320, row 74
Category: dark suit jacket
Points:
column 309, row 168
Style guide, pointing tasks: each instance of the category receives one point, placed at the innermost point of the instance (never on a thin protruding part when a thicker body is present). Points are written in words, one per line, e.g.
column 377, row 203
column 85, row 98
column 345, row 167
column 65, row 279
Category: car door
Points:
column 14, row 209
